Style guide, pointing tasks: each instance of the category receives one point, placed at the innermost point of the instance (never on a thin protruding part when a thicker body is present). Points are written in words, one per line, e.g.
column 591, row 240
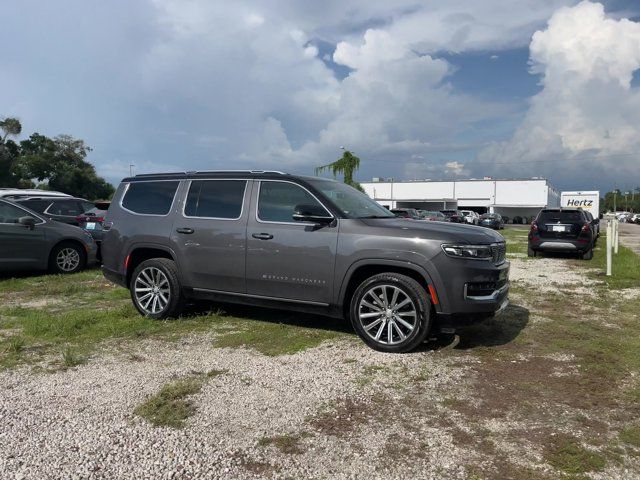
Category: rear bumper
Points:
column 558, row 245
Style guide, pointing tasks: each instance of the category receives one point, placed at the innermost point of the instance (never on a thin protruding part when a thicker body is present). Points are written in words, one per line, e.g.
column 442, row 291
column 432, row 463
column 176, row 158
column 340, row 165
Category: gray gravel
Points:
column 79, row 423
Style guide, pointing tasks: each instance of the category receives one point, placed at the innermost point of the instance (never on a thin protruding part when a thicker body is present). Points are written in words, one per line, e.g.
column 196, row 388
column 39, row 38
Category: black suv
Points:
column 299, row 243
column 64, row 209
column 562, row 230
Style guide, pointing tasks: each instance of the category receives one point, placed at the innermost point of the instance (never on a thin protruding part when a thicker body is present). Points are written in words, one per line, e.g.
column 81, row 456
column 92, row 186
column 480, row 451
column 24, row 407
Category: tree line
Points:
column 48, row 163
column 627, row 200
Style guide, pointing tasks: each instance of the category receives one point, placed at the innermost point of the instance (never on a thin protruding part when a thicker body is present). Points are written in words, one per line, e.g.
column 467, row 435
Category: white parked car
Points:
column 471, row 217
column 14, row 193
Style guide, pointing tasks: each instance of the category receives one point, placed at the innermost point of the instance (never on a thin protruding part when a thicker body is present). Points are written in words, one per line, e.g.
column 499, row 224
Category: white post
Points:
column 615, row 235
column 609, row 244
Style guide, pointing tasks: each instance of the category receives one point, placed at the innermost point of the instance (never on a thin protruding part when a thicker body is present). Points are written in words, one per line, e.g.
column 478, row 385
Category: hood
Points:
column 447, row 232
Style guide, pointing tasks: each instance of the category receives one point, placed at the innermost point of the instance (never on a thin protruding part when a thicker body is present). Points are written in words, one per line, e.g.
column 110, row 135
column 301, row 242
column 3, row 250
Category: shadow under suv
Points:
column 300, row 243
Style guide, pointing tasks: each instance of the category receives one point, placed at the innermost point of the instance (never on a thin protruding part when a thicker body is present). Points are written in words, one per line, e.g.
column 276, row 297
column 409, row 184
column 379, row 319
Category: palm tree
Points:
column 10, row 126
column 346, row 165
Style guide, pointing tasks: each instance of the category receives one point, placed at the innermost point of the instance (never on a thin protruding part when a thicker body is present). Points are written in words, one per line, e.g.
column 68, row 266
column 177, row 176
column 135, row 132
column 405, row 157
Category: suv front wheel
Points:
column 155, row 289
column 391, row 312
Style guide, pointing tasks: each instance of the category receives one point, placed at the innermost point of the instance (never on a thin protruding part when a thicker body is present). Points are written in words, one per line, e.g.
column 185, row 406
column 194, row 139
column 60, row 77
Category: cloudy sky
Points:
column 417, row 89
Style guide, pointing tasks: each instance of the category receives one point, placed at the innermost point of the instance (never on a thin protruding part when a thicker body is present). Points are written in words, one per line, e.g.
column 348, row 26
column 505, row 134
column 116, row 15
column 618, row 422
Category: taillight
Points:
column 586, row 227
column 80, row 218
column 97, row 219
column 534, row 226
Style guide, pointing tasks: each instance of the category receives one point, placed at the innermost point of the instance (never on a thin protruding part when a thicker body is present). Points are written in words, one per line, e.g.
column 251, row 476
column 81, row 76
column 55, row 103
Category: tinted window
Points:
column 36, row 205
column 562, row 217
column 215, row 198
column 151, row 198
column 278, row 200
column 11, row 214
column 65, row 207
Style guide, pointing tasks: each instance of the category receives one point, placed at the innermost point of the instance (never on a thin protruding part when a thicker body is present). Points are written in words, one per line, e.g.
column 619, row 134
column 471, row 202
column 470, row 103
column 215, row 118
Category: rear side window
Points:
column 215, row 199
column 150, row 198
column 36, row 205
column 562, row 217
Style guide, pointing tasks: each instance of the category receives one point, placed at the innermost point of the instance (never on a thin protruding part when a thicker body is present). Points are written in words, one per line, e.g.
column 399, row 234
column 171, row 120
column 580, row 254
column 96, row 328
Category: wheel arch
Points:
column 64, row 240
column 140, row 252
column 364, row 269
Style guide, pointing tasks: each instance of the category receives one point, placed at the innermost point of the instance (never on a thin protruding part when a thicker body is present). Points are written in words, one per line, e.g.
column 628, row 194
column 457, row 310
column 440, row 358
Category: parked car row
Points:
column 490, row 220
column 628, row 217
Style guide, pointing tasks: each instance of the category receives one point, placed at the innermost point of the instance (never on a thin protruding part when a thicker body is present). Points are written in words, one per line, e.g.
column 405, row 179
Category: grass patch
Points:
column 567, row 455
column 625, row 266
column 287, row 444
column 270, row 338
column 70, row 358
column 171, row 406
column 630, row 435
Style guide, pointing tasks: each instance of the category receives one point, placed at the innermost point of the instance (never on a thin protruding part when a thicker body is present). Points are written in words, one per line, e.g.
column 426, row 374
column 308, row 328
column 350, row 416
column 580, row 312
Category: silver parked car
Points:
column 28, row 241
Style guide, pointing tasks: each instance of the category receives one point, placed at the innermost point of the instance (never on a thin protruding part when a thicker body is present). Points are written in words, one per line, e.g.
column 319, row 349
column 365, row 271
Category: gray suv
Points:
column 301, row 243
column 29, row 241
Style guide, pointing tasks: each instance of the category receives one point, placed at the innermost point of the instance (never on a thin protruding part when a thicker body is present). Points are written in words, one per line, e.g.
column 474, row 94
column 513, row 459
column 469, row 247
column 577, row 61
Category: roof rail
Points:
column 208, row 171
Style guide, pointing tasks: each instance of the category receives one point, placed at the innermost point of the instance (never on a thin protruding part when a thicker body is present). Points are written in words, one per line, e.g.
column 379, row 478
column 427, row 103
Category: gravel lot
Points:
column 494, row 407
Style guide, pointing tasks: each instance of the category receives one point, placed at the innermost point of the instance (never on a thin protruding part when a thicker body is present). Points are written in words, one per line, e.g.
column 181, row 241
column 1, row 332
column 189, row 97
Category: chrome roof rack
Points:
column 208, row 171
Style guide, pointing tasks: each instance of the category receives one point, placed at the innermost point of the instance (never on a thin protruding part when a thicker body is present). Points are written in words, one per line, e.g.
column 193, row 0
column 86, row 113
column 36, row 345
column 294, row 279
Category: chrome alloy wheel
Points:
column 68, row 259
column 387, row 314
column 152, row 290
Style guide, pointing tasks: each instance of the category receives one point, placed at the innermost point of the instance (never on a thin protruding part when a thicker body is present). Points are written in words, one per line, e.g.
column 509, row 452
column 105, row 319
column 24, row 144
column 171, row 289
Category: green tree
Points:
column 10, row 126
column 345, row 165
column 60, row 162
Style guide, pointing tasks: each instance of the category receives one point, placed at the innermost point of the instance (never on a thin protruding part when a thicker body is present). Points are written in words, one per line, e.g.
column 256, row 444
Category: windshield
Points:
column 351, row 202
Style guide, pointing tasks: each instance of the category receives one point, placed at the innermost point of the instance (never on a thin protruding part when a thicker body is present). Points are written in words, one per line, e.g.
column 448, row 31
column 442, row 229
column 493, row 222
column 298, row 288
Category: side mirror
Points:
column 28, row 222
column 311, row 213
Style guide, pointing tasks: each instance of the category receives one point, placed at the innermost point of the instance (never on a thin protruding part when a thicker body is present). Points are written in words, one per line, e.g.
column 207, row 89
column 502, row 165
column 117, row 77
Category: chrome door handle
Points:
column 262, row 236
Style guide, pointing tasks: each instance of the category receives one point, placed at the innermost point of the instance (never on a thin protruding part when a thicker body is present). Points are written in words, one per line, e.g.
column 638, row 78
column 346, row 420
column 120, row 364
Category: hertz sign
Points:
column 586, row 200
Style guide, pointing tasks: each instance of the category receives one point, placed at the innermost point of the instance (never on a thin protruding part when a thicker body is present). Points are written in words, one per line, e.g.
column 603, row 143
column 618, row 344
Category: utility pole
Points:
column 131, row 165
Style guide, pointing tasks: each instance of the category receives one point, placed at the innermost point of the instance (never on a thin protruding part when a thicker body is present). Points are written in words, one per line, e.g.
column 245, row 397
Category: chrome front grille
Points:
column 498, row 252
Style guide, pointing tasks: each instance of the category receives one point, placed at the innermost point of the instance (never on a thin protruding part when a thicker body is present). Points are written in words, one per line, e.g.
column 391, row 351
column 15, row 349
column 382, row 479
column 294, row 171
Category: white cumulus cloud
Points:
column 584, row 126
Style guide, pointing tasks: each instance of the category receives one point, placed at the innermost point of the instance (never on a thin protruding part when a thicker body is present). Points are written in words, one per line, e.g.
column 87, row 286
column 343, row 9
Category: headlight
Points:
column 478, row 252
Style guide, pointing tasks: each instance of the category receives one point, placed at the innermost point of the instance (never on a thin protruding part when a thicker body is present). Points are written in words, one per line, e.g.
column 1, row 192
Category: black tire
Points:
column 74, row 252
column 171, row 289
column 531, row 252
column 419, row 300
column 588, row 255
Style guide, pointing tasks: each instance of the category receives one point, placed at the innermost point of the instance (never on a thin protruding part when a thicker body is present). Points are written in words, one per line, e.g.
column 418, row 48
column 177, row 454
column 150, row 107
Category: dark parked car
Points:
column 299, row 243
column 28, row 241
column 595, row 225
column 433, row 216
column 65, row 210
column 492, row 220
column 562, row 230
column 407, row 213
column 455, row 216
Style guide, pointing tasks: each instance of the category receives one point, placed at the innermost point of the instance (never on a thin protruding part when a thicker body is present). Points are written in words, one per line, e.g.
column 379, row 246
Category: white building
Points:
column 506, row 197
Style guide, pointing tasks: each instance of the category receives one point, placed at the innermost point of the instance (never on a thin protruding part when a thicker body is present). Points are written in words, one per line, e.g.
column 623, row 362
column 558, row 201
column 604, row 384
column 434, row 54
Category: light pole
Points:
column 131, row 165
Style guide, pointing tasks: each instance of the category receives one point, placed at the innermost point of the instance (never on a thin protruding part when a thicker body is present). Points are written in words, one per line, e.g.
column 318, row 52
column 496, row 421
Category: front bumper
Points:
column 476, row 291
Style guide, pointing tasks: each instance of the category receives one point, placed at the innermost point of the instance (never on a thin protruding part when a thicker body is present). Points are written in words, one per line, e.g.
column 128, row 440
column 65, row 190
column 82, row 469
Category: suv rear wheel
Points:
column 155, row 289
column 588, row 255
column 391, row 312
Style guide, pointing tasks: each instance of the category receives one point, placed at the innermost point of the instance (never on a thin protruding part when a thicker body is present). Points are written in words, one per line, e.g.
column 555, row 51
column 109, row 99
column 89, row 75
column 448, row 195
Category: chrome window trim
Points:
column 28, row 214
column 173, row 200
column 244, row 193
column 286, row 223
